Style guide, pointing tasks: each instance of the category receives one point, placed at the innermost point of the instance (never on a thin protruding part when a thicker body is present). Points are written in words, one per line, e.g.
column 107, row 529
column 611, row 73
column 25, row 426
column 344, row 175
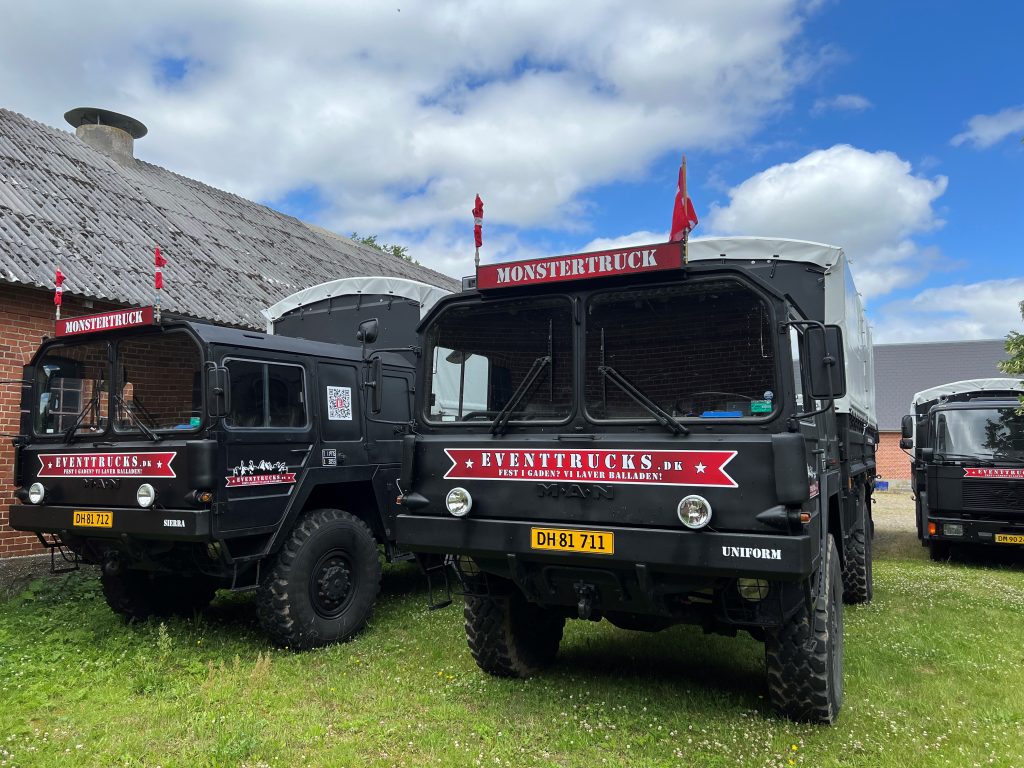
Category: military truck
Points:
column 967, row 468
column 652, row 435
column 184, row 457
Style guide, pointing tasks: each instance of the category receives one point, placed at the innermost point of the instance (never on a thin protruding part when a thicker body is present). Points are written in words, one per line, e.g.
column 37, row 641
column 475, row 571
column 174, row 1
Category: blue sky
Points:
column 892, row 129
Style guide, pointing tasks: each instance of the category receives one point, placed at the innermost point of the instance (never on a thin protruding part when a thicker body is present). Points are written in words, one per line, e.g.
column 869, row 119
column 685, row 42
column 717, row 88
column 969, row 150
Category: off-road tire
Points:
column 939, row 551
column 137, row 595
column 323, row 584
column 508, row 635
column 858, row 581
column 804, row 657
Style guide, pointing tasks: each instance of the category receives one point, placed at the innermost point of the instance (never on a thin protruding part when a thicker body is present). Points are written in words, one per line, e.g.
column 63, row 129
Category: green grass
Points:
column 934, row 676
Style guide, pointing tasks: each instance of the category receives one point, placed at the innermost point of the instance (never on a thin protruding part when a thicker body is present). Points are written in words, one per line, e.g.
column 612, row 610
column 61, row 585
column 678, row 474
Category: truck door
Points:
column 341, row 430
column 269, row 436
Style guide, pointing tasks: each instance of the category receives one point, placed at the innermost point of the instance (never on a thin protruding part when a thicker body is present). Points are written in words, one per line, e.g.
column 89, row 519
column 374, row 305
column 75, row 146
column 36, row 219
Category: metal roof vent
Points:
column 108, row 132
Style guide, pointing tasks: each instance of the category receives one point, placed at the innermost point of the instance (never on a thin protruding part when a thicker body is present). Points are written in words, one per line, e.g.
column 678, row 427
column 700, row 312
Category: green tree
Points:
column 1014, row 366
column 399, row 251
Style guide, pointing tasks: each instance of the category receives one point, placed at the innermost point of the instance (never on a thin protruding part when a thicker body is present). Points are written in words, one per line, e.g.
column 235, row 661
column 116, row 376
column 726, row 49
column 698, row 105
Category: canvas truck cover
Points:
column 843, row 305
column 967, row 386
column 332, row 311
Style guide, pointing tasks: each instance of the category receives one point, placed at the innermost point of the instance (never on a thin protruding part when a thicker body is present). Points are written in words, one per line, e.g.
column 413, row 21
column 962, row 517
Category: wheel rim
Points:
column 332, row 585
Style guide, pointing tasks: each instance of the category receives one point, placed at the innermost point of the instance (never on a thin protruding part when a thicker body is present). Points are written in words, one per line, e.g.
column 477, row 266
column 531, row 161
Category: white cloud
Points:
column 870, row 203
column 397, row 114
column 983, row 131
column 641, row 237
column 984, row 310
column 844, row 102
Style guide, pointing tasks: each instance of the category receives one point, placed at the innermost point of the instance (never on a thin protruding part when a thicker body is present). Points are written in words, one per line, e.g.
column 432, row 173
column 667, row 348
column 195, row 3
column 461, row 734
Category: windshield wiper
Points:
column 122, row 403
column 532, row 376
column 963, row 457
column 649, row 405
column 93, row 405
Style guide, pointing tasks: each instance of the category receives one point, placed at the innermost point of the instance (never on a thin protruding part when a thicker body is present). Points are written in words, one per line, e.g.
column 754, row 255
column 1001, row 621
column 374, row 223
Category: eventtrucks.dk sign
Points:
column 582, row 266
column 107, row 321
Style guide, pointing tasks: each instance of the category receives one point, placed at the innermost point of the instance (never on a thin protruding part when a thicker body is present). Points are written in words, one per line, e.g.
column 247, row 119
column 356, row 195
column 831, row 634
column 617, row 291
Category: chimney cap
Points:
column 95, row 116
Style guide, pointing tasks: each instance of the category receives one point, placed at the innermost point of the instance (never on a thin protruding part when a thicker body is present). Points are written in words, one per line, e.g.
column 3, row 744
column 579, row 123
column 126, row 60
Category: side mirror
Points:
column 368, row 330
column 907, row 427
column 217, row 392
column 376, row 385
column 826, row 362
column 906, row 443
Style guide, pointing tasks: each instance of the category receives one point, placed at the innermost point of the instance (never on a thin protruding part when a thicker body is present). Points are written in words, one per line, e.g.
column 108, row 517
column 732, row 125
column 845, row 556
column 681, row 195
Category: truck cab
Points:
column 967, row 464
column 650, row 436
column 184, row 457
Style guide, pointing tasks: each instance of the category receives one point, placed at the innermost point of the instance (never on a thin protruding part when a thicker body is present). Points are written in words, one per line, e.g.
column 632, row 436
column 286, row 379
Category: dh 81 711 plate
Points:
column 91, row 518
column 567, row 540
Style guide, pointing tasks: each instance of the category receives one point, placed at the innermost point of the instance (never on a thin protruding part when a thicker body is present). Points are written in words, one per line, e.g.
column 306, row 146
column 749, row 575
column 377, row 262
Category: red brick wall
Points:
column 26, row 315
column 893, row 464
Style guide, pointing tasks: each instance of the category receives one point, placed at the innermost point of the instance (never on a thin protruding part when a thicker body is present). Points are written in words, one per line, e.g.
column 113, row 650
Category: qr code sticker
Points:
column 339, row 403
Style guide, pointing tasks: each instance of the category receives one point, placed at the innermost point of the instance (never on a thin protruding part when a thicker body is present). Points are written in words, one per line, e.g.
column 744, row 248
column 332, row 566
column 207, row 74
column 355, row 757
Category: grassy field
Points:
column 934, row 676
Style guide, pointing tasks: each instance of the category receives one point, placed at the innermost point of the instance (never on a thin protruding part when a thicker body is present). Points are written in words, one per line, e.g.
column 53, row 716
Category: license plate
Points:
column 564, row 540
column 1009, row 538
column 92, row 519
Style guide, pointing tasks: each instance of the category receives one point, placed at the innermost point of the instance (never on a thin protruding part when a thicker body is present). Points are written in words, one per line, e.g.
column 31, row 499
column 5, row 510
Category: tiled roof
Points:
column 63, row 202
column 902, row 370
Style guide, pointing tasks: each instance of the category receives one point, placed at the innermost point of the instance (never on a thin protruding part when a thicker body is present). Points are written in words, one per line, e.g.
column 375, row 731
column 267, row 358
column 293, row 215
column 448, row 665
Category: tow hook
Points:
column 112, row 563
column 585, row 595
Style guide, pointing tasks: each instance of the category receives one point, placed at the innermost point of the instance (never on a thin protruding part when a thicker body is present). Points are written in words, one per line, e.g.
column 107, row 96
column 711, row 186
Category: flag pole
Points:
column 686, row 232
column 58, row 297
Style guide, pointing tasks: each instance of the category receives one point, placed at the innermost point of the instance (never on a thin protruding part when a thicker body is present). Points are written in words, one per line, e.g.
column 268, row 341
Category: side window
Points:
column 265, row 395
column 394, row 407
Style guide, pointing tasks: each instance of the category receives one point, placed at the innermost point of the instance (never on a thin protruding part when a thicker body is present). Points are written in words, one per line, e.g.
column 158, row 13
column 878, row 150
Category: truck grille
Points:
column 1003, row 495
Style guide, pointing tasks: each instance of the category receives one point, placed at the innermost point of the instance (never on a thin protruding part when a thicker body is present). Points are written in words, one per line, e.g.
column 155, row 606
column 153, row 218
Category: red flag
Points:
column 684, row 218
column 58, row 297
column 159, row 262
column 478, row 221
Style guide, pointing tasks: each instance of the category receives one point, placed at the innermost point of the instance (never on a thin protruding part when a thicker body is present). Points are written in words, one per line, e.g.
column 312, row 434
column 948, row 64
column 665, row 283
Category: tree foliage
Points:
column 399, row 251
column 1014, row 365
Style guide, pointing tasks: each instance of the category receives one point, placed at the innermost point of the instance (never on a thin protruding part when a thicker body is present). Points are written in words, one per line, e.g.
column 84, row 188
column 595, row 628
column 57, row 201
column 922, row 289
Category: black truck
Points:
column 967, row 468
column 184, row 457
column 653, row 435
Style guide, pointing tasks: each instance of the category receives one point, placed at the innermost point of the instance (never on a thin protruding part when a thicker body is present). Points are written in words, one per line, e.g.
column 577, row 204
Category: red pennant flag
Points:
column 159, row 262
column 58, row 297
column 684, row 218
column 478, row 221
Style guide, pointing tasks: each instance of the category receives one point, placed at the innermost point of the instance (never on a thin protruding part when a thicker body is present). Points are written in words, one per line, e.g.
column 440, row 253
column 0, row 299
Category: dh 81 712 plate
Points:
column 91, row 518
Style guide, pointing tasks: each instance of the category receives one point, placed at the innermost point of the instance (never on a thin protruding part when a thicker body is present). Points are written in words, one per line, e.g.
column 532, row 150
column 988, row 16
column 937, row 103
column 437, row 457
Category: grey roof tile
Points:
column 63, row 202
column 903, row 370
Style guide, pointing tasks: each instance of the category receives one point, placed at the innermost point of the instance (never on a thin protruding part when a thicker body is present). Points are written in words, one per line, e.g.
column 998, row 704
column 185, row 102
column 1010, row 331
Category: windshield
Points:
column 71, row 384
column 480, row 356
column 158, row 383
column 697, row 350
column 989, row 433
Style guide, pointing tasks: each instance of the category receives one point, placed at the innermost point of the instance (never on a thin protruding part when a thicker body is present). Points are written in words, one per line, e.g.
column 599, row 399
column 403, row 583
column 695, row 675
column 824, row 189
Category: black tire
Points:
column 508, row 635
column 939, row 551
column 804, row 657
column 137, row 595
column 324, row 582
column 858, row 581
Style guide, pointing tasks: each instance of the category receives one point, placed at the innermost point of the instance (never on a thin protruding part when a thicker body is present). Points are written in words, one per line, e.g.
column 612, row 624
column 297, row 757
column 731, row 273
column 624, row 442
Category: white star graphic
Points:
column 159, row 464
column 469, row 463
column 700, row 468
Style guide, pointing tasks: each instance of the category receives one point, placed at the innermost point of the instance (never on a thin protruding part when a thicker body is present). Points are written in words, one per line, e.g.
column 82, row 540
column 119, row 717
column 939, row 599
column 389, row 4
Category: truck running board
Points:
column 436, row 566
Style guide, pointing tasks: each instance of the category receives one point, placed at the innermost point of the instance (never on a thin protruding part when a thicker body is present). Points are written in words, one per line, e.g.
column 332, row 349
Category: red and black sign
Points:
column 154, row 464
column 106, row 321
column 243, row 481
column 691, row 468
column 580, row 266
column 994, row 473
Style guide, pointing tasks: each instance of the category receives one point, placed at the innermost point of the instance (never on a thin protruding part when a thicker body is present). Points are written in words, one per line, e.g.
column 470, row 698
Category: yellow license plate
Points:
column 1009, row 538
column 92, row 519
column 564, row 540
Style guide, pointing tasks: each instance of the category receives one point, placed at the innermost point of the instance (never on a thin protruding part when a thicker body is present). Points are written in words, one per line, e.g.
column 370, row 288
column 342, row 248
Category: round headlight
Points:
column 459, row 502
column 694, row 512
column 146, row 495
column 36, row 493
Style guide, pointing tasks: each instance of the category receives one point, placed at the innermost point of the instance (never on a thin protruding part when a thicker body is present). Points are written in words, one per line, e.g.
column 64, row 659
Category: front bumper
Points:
column 974, row 531
column 137, row 523
column 703, row 553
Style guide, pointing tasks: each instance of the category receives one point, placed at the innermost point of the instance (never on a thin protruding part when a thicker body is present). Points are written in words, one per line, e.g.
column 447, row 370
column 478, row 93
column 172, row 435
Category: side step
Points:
column 435, row 566
column 69, row 561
